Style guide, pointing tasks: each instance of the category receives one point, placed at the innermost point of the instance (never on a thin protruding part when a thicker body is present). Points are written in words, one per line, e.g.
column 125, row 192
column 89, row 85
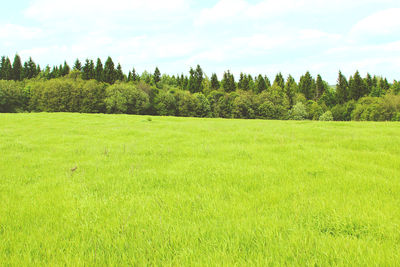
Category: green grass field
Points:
column 182, row 191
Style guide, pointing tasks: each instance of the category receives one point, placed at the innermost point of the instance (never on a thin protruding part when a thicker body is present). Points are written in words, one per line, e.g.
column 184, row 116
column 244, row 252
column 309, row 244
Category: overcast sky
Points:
column 269, row 36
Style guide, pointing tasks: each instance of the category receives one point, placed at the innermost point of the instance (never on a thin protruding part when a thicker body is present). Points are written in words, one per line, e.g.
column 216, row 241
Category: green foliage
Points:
column 243, row 106
column 261, row 85
column 109, row 73
column 290, row 90
column 157, row 76
column 327, row 116
column 195, row 82
column 357, row 87
column 343, row 112
column 13, row 97
column 126, row 98
column 29, row 70
column 279, row 81
column 273, row 104
column 395, row 88
column 307, row 86
column 82, row 90
column 298, row 112
column 166, row 104
column 228, row 82
column 319, row 87
column 314, row 110
column 17, row 68
column 77, row 65
column 202, row 107
column 214, row 82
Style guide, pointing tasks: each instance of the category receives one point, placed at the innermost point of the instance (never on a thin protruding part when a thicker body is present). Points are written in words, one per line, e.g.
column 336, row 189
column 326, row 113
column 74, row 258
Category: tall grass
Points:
column 180, row 191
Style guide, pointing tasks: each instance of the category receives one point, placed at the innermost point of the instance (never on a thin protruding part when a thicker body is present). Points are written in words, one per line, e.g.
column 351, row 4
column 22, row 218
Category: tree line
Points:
column 96, row 88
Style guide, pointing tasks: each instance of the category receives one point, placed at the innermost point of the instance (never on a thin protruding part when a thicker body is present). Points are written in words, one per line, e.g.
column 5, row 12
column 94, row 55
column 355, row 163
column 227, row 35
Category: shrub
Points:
column 298, row 112
column 126, row 98
column 327, row 116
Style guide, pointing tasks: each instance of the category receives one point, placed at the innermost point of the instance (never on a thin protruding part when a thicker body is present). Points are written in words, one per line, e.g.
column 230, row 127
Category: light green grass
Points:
column 182, row 191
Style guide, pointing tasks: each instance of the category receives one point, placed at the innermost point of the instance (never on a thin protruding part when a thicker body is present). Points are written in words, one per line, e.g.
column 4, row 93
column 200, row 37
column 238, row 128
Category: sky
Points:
column 264, row 36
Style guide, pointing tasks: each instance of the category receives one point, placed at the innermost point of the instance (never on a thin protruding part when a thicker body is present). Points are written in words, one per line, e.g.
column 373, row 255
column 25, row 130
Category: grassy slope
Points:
column 197, row 191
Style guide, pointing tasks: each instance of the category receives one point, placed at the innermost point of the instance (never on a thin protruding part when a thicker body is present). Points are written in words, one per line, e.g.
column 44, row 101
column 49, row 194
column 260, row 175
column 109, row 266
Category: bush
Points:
column 126, row 99
column 298, row 112
column 13, row 96
column 327, row 116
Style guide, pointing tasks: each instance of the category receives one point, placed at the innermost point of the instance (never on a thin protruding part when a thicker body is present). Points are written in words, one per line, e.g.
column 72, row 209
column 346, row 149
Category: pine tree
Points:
column 214, row 82
column 119, row 74
column 134, row 75
column 99, row 71
column 306, row 86
column 198, row 74
column 279, row 80
column 29, row 70
column 85, row 70
column 17, row 68
column 157, row 76
column 267, row 82
column 290, row 90
column 319, row 87
column 260, row 84
column 342, row 89
column 77, row 65
column 109, row 71
column 357, row 87
column 384, row 84
column 2, row 65
column 92, row 73
column 228, row 82
column 6, row 69
column 195, row 83
column 369, row 83
column 64, row 70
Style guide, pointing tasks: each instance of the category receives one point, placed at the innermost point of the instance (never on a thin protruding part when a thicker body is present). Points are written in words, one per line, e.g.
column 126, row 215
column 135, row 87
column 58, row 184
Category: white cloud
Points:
column 385, row 22
column 98, row 9
column 12, row 32
column 234, row 10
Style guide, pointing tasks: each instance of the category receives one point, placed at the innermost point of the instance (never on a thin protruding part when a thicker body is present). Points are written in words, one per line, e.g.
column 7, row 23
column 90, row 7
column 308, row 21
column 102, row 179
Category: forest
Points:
column 91, row 87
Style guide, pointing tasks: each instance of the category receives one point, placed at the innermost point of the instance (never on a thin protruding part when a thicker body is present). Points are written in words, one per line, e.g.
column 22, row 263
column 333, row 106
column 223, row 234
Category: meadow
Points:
column 95, row 190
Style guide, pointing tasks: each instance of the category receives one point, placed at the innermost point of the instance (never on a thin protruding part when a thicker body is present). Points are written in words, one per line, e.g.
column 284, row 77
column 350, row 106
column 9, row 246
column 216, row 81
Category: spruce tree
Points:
column 357, row 87
column 260, row 84
column 134, row 75
column 342, row 89
column 17, row 68
column 228, row 82
column 214, row 82
column 85, row 70
column 384, row 84
column 7, row 69
column 29, row 70
column 2, row 65
column 369, row 83
column 267, row 82
column 198, row 74
column 157, row 76
column 119, row 74
column 306, row 86
column 65, row 69
column 290, row 90
column 279, row 80
column 109, row 71
column 319, row 87
column 77, row 65
column 99, row 71
column 92, row 73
